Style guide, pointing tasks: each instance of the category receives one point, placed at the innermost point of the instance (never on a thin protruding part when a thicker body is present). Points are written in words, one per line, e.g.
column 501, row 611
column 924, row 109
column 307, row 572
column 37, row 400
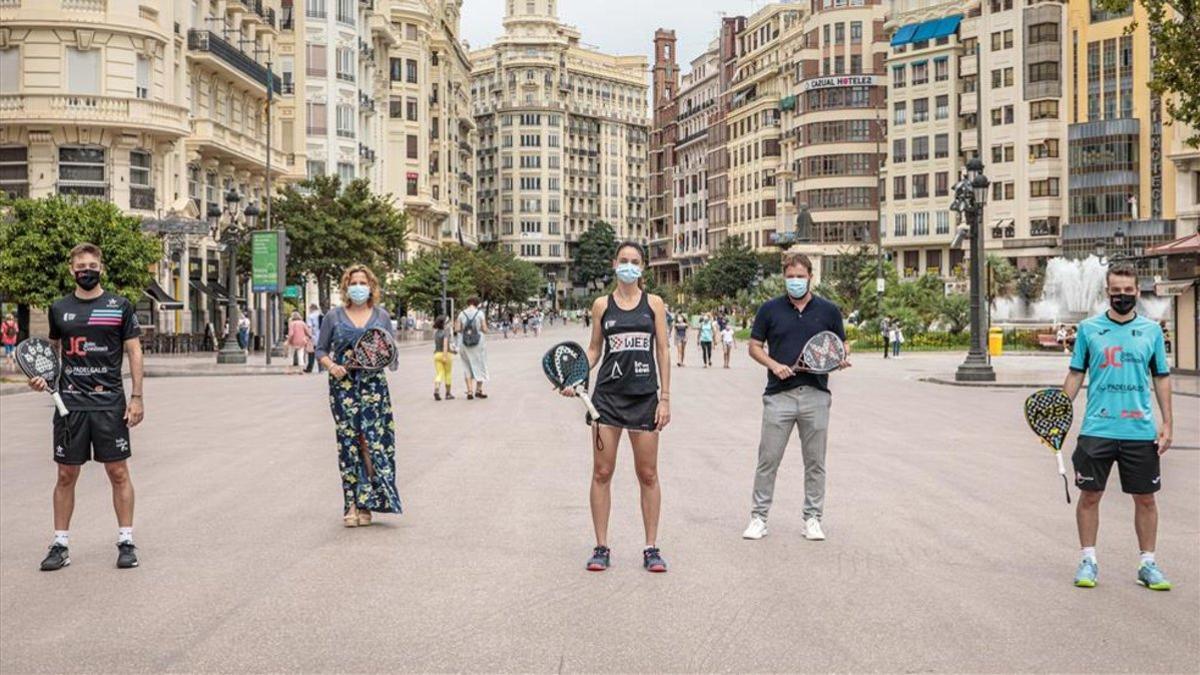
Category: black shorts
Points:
column 91, row 434
column 635, row 413
column 1137, row 462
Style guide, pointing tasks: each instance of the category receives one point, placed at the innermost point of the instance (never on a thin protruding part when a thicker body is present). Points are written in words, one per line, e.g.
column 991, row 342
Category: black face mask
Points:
column 87, row 279
column 1122, row 304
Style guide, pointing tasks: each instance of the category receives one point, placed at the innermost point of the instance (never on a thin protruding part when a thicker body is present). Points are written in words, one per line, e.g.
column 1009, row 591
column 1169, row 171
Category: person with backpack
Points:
column 472, row 326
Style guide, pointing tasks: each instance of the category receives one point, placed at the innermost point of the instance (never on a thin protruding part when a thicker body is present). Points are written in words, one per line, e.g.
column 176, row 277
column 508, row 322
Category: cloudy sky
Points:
column 620, row 26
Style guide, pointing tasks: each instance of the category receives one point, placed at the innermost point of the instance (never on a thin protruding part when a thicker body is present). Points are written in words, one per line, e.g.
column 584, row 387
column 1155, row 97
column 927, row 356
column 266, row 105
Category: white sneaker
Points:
column 756, row 530
column 813, row 531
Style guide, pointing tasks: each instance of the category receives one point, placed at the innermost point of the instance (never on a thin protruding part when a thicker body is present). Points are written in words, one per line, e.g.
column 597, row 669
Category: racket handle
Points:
column 1062, row 470
column 587, row 401
column 58, row 403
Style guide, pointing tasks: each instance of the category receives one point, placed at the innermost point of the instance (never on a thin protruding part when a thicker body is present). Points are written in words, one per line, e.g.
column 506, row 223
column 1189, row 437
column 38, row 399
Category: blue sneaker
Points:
column 1085, row 576
column 599, row 560
column 1151, row 577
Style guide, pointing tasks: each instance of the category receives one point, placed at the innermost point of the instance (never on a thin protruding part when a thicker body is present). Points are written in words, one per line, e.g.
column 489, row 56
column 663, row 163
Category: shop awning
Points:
column 197, row 286
column 1169, row 288
column 903, row 34
column 161, row 297
column 927, row 30
column 217, row 291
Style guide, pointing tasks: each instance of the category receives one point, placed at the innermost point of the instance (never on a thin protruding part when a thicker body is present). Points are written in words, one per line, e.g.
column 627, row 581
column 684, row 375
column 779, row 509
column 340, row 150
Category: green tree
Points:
column 593, row 256
column 36, row 236
column 494, row 276
column 954, row 310
column 1002, row 277
column 1174, row 26
column 733, row 267
column 842, row 284
column 330, row 228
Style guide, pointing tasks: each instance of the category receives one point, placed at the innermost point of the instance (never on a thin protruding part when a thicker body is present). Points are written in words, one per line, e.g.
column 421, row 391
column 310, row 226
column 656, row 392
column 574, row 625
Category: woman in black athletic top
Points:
column 632, row 393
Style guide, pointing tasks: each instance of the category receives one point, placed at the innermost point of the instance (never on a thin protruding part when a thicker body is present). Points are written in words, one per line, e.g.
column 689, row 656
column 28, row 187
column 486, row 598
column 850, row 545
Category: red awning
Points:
column 1188, row 244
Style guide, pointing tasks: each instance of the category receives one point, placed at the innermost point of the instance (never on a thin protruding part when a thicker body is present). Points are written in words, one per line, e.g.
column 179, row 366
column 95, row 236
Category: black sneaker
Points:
column 58, row 558
column 127, row 557
column 652, row 560
column 599, row 560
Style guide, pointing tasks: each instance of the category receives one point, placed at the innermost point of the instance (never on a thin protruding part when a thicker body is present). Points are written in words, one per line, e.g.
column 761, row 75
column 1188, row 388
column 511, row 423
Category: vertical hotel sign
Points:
column 1156, row 210
column 268, row 263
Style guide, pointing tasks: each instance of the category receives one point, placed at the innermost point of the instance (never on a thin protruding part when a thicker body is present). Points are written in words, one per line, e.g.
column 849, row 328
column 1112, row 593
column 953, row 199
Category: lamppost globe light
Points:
column 1119, row 238
column 1101, row 249
column 214, row 211
column 232, row 197
column 975, row 165
column 251, row 210
column 980, row 184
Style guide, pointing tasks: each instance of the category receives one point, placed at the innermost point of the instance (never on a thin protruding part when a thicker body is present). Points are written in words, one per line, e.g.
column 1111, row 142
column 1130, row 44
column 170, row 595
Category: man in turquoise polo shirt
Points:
column 1123, row 356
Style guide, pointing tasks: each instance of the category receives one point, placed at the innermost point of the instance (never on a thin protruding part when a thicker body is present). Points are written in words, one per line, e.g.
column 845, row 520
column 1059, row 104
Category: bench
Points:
column 1048, row 341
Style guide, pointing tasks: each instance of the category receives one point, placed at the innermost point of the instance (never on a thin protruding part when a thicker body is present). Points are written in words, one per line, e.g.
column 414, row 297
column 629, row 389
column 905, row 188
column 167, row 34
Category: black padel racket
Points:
column 1049, row 413
column 823, row 353
column 566, row 366
column 374, row 350
column 37, row 358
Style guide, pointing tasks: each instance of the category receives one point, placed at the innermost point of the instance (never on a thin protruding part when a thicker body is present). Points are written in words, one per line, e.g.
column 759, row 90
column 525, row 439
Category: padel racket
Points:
column 37, row 358
column 374, row 350
column 823, row 353
column 1049, row 413
column 566, row 366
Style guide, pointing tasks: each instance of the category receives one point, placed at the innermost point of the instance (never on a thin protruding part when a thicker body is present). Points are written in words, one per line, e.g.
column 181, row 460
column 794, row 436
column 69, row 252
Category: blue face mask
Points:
column 359, row 293
column 628, row 272
column 797, row 288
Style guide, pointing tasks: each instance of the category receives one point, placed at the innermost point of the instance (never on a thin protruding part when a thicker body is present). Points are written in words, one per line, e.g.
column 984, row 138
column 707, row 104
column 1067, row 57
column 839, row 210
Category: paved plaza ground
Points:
column 950, row 546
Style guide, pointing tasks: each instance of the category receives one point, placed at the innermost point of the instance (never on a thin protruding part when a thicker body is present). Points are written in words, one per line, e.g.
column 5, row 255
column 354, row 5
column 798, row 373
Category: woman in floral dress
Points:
column 361, row 405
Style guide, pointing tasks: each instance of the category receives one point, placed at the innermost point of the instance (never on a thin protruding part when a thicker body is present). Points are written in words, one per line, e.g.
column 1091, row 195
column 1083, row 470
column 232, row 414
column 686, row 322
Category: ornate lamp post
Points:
column 970, row 195
column 444, row 272
column 237, row 225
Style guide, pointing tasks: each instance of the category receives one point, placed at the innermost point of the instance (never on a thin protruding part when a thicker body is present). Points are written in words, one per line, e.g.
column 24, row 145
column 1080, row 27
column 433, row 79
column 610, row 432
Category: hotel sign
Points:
column 842, row 81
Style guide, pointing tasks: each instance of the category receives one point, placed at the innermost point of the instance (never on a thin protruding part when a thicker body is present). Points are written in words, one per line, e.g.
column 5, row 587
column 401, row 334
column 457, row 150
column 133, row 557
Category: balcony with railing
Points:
column 207, row 46
column 163, row 119
column 141, row 198
column 365, row 153
column 466, row 178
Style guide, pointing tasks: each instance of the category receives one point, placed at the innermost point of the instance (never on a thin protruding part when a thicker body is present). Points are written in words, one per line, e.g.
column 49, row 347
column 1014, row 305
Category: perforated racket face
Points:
column 1049, row 413
column 566, row 365
column 823, row 353
column 36, row 358
column 374, row 350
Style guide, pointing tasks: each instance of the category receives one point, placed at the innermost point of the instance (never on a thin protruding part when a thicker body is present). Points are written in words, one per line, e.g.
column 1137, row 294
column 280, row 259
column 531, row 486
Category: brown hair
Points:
column 792, row 259
column 85, row 249
column 1121, row 269
column 372, row 281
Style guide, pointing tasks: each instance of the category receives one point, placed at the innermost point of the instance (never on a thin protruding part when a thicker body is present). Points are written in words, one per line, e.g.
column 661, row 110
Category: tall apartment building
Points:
column 1120, row 178
column 664, row 131
column 753, row 121
column 159, row 109
column 834, row 127
column 379, row 89
column 563, row 136
column 943, row 57
column 699, row 95
column 719, row 216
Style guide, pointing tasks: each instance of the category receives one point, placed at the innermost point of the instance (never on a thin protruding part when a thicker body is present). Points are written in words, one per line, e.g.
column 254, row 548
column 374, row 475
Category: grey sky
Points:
column 620, row 26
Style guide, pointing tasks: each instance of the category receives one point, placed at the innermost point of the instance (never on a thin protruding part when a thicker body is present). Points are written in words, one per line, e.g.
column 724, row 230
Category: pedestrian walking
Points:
column 93, row 331
column 314, row 329
column 443, row 359
column 727, row 341
column 299, row 339
column 1124, row 357
column 360, row 402
column 681, row 330
column 705, row 336
column 471, row 327
column 793, row 400
column 243, row 333
column 897, row 338
column 885, row 329
column 632, row 395
column 9, row 330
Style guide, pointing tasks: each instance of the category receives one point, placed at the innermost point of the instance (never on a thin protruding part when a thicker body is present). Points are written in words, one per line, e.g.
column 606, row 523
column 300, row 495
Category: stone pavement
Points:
column 950, row 548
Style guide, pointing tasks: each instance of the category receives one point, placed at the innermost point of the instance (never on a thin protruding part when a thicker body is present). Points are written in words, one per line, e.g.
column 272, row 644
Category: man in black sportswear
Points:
column 92, row 331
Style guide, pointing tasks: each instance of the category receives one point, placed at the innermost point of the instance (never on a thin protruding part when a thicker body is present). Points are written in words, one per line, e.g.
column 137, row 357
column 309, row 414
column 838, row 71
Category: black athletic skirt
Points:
column 635, row 413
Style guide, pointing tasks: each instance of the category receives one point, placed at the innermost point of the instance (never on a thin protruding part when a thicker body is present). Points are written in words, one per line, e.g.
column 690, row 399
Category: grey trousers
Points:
column 805, row 408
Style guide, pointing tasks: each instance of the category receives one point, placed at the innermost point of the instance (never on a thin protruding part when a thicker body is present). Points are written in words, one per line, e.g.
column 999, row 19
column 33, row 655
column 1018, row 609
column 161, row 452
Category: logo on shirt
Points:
column 640, row 368
column 105, row 317
column 68, row 316
column 1133, row 415
column 79, row 346
column 112, row 302
column 609, row 324
column 1112, row 357
column 625, row 342
column 616, row 372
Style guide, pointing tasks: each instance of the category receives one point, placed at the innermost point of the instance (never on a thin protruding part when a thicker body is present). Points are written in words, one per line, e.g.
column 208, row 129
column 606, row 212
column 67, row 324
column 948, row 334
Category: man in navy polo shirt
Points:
column 792, row 400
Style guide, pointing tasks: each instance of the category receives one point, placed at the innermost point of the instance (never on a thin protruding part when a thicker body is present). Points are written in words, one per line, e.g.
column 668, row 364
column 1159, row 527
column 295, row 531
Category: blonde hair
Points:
column 372, row 281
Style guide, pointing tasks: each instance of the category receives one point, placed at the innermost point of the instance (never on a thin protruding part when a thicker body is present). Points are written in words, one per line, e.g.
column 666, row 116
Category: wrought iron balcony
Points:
column 208, row 41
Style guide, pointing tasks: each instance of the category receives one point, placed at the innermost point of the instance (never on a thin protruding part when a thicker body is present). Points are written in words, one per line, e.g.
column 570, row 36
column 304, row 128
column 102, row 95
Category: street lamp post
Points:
column 970, row 195
column 237, row 224
column 553, row 291
column 444, row 272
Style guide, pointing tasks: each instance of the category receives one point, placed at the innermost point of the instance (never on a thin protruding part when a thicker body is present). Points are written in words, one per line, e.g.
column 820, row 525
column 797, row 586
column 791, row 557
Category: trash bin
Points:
column 995, row 342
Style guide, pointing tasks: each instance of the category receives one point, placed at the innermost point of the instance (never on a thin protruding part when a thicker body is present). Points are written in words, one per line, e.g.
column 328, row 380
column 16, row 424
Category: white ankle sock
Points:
column 1088, row 552
column 61, row 537
column 124, row 535
column 1147, row 557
